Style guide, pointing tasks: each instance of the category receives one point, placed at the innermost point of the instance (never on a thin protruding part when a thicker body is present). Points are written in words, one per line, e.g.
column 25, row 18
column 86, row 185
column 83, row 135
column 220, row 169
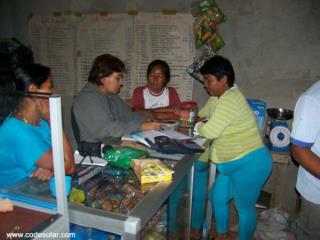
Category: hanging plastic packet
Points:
column 193, row 69
column 207, row 15
column 216, row 43
column 203, row 32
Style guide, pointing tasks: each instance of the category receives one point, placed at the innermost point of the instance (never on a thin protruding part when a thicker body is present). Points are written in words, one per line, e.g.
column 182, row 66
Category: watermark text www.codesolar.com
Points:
column 47, row 235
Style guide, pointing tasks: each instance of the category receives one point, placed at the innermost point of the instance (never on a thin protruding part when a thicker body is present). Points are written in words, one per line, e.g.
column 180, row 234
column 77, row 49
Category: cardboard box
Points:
column 259, row 109
column 151, row 170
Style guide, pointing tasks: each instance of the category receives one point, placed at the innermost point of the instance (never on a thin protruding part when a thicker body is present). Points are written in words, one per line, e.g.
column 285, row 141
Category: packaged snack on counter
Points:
column 77, row 196
column 85, row 173
column 114, row 171
column 156, row 229
column 151, row 170
column 121, row 157
column 188, row 112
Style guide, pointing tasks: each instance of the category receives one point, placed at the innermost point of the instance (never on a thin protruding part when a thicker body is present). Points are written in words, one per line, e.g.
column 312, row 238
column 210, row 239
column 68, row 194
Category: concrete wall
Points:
column 274, row 45
column 6, row 30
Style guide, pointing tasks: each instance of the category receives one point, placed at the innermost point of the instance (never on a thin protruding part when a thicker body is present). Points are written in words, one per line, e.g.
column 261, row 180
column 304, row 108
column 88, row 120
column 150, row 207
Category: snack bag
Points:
column 207, row 15
column 205, row 52
column 151, row 170
column 210, row 10
column 216, row 43
column 121, row 157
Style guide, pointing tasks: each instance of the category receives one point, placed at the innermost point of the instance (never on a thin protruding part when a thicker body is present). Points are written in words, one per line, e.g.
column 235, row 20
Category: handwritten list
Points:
column 69, row 44
column 52, row 40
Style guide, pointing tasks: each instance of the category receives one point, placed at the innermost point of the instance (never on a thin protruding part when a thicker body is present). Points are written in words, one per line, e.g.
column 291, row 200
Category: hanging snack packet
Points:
column 216, row 43
column 205, row 52
column 211, row 10
column 206, row 15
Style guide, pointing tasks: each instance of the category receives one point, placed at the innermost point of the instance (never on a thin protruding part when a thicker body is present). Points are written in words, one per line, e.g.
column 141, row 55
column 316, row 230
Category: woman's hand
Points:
column 195, row 129
column 42, row 174
column 150, row 126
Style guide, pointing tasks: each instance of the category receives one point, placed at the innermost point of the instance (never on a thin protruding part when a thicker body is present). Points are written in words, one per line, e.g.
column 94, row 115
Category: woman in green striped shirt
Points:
column 243, row 162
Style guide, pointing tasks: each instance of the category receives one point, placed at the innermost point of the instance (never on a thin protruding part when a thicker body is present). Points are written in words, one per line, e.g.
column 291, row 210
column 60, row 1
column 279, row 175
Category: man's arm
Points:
column 306, row 158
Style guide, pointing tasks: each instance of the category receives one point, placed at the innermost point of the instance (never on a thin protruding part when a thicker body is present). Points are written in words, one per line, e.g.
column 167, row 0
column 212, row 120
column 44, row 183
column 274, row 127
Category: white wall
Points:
column 274, row 45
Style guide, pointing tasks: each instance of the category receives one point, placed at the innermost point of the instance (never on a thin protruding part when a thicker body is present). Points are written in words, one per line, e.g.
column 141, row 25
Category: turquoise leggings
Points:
column 241, row 180
column 200, row 185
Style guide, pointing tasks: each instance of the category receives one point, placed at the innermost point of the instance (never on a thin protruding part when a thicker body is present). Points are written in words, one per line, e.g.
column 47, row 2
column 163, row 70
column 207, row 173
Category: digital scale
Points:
column 279, row 135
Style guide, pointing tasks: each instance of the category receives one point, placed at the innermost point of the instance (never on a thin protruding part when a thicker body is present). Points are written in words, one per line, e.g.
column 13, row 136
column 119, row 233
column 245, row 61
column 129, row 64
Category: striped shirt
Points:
column 231, row 126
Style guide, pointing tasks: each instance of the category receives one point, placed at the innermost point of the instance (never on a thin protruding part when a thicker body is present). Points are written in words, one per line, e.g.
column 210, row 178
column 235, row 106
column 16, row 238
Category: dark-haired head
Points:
column 163, row 66
column 24, row 79
column 31, row 74
column 7, row 80
column 219, row 67
column 7, row 86
column 103, row 66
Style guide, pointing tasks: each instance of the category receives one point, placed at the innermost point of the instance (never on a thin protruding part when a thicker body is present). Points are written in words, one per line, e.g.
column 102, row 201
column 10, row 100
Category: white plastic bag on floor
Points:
column 274, row 224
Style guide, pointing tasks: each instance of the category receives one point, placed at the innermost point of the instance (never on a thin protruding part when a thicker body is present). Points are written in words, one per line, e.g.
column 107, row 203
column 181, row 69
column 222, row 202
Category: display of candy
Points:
column 114, row 171
column 111, row 205
column 84, row 174
column 157, row 226
column 97, row 204
column 111, row 193
column 77, row 196
column 116, row 190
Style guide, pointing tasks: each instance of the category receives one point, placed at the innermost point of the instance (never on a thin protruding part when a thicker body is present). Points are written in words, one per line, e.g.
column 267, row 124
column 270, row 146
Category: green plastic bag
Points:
column 121, row 157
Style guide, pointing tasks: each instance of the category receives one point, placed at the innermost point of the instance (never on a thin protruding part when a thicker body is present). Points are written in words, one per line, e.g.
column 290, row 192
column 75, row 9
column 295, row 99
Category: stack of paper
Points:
column 142, row 136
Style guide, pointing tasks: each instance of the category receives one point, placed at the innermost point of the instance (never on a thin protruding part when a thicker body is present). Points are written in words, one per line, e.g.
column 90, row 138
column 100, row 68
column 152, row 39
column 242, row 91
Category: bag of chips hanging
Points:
column 207, row 15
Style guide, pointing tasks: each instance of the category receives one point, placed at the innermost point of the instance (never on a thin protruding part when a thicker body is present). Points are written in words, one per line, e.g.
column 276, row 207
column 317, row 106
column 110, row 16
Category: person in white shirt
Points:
column 305, row 139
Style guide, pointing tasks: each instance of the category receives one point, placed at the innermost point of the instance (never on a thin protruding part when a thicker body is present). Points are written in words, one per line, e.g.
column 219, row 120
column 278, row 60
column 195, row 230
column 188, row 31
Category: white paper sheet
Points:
column 69, row 44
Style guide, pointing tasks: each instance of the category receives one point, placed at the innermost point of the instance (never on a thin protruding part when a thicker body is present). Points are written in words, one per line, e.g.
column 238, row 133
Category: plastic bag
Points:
column 274, row 224
column 207, row 15
column 121, row 157
column 164, row 144
column 216, row 43
column 208, row 8
column 193, row 70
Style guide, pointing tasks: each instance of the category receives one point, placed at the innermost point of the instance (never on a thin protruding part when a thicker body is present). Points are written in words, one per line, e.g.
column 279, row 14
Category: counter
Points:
column 170, row 199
